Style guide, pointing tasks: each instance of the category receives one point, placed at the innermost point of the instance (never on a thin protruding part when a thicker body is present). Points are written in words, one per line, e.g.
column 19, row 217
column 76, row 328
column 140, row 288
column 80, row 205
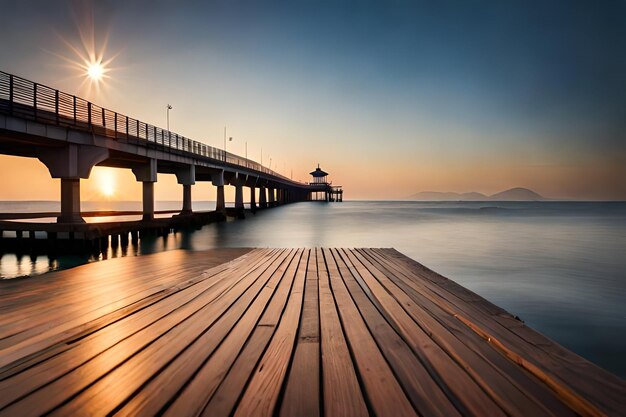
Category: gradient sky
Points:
column 390, row 97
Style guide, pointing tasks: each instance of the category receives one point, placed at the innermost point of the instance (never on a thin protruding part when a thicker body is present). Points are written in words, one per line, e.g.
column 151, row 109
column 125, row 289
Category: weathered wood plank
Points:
column 342, row 394
column 52, row 347
column 261, row 394
column 491, row 370
column 67, row 357
column 384, row 392
column 156, row 345
column 425, row 394
column 301, row 392
column 155, row 396
column 580, row 384
column 242, row 362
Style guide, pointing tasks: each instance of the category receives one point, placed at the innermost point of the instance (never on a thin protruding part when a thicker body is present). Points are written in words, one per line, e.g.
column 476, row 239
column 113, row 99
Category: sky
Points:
column 391, row 97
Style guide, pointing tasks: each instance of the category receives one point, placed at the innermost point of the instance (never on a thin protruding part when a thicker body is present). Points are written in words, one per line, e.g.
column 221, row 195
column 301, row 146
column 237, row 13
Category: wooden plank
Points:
column 384, row 393
column 261, row 394
column 186, row 369
column 210, row 325
column 222, row 380
column 155, row 346
column 583, row 387
column 53, row 327
column 151, row 322
column 490, row 369
column 342, row 394
column 456, row 373
column 302, row 389
column 30, row 292
column 52, row 347
column 421, row 389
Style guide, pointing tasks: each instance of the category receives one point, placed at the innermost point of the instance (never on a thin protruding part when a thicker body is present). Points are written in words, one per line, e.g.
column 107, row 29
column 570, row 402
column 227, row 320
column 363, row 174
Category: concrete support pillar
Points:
column 238, row 180
column 220, row 203
column 147, row 174
column 186, row 176
column 148, row 200
column 253, row 199
column 262, row 197
column 217, row 179
column 71, row 163
column 187, row 209
column 238, row 197
column 270, row 197
column 70, row 201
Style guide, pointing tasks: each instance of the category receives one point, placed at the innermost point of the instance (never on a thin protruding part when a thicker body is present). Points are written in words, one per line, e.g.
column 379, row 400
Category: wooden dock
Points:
column 279, row 332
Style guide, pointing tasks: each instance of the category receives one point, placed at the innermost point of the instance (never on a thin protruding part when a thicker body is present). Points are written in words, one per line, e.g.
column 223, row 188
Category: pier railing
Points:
column 29, row 100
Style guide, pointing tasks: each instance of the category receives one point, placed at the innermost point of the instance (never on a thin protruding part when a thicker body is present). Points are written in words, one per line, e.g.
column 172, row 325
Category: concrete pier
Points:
column 71, row 136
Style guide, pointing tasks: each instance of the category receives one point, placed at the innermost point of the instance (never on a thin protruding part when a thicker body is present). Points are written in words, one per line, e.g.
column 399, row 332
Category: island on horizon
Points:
column 512, row 194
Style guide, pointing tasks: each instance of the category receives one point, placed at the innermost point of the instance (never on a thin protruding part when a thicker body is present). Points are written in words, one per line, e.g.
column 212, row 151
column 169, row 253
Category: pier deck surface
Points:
column 279, row 332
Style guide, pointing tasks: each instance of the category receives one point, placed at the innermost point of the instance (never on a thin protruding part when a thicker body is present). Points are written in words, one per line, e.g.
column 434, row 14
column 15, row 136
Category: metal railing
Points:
column 26, row 99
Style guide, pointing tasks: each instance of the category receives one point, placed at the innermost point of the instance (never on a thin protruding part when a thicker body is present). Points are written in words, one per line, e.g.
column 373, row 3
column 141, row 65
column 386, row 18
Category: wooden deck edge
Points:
column 573, row 398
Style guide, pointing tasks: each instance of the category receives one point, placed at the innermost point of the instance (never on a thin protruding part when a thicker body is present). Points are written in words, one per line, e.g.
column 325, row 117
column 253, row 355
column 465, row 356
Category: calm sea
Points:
column 561, row 267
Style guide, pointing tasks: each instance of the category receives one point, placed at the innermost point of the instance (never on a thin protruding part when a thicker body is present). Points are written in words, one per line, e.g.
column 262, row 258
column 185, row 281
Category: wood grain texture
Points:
column 289, row 332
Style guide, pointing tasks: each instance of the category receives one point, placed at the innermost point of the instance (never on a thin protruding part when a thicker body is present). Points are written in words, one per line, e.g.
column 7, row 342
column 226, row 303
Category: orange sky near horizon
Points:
column 28, row 179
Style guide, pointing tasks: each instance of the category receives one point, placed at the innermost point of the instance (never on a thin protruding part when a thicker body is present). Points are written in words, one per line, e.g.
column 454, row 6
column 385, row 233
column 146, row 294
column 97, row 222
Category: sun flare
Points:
column 87, row 56
column 95, row 71
column 105, row 179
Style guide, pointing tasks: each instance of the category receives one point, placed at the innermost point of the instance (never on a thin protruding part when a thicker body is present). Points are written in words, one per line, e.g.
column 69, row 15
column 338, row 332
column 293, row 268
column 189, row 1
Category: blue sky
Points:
column 392, row 98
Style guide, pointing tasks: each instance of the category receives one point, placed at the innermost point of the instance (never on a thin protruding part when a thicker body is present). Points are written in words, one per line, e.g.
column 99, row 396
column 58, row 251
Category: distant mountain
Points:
column 514, row 194
column 517, row 194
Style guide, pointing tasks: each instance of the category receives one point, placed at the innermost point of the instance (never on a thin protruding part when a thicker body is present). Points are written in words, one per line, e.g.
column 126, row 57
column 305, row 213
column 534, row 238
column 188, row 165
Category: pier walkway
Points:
column 289, row 332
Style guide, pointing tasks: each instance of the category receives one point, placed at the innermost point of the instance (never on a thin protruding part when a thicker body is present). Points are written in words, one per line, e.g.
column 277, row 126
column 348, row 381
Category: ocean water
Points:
column 561, row 267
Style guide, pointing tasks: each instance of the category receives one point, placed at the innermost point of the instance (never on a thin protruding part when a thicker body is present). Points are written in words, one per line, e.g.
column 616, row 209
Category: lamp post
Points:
column 230, row 139
column 169, row 107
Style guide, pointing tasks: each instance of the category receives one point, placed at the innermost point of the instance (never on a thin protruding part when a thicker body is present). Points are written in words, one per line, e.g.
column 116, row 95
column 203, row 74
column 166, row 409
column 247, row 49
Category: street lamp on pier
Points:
column 169, row 107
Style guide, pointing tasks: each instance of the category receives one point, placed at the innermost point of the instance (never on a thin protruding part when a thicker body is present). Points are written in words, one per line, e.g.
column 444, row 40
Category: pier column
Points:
column 217, row 179
column 220, row 203
column 71, row 163
column 238, row 180
column 253, row 199
column 238, row 197
column 270, row 197
column 262, row 197
column 187, row 206
column 70, row 201
column 148, row 200
column 147, row 174
column 186, row 176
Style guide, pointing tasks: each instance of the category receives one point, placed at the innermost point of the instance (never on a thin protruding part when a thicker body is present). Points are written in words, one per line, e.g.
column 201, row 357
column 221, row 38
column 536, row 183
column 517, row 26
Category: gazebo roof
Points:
column 318, row 172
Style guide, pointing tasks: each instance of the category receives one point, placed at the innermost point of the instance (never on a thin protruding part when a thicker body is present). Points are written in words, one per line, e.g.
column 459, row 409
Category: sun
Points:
column 105, row 181
column 107, row 187
column 95, row 71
